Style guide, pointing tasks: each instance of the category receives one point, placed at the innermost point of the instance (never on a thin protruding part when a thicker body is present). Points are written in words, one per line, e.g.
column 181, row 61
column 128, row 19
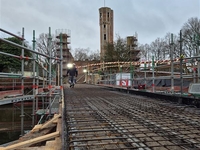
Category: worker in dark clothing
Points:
column 73, row 73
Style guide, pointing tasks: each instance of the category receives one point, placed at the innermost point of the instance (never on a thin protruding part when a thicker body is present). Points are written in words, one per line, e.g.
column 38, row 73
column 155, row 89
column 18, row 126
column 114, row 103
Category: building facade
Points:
column 106, row 29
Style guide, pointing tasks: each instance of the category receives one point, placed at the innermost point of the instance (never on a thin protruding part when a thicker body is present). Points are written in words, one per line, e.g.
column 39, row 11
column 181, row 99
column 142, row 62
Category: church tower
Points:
column 106, row 29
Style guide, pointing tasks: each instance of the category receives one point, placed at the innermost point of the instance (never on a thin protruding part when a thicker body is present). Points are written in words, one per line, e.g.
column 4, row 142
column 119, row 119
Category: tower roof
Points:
column 103, row 8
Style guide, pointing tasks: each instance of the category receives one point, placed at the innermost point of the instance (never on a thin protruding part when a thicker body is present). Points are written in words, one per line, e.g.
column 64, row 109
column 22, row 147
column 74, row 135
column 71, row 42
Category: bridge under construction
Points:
column 100, row 117
column 128, row 109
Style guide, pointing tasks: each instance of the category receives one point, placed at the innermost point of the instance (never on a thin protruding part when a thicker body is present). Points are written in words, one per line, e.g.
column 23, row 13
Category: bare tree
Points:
column 161, row 47
column 191, row 35
column 86, row 54
column 42, row 46
column 94, row 55
column 145, row 51
column 81, row 54
column 158, row 48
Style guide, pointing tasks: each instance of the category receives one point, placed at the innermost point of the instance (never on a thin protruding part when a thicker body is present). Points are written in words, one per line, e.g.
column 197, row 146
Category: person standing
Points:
column 73, row 73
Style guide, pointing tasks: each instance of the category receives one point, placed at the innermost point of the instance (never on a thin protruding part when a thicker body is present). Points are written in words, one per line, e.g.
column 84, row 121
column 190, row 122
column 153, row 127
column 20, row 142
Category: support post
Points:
column 181, row 63
column 22, row 86
column 145, row 75
column 61, row 61
column 194, row 60
column 172, row 64
column 198, row 59
column 120, row 75
column 131, row 74
column 153, row 84
column 50, row 76
column 34, row 92
column 37, row 80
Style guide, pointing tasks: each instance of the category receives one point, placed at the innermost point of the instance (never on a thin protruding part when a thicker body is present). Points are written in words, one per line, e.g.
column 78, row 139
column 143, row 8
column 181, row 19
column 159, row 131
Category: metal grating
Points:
column 102, row 119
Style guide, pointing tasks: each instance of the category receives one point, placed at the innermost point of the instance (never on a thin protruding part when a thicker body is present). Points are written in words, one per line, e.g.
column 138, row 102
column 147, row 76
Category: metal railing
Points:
column 146, row 81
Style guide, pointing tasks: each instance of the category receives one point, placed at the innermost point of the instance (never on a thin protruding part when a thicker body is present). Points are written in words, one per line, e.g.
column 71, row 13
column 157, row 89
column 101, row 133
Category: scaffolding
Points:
column 40, row 79
column 63, row 36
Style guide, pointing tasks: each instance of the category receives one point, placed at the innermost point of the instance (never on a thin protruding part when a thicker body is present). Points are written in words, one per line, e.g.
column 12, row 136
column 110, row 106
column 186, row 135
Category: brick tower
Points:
column 106, row 28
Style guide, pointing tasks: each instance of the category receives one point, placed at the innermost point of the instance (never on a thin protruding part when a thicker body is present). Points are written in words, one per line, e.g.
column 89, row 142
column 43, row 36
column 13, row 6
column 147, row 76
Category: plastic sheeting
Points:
column 164, row 82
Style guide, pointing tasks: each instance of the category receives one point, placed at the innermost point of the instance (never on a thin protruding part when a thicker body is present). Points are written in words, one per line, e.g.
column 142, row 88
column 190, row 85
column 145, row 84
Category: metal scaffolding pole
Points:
column 194, row 71
column 181, row 63
column 145, row 75
column 153, row 76
column 34, row 92
column 61, row 59
column 172, row 64
column 14, row 44
column 21, row 38
column 131, row 75
column 37, row 81
column 20, row 57
column 22, row 86
column 22, row 76
column 120, row 82
column 198, row 63
column 50, row 75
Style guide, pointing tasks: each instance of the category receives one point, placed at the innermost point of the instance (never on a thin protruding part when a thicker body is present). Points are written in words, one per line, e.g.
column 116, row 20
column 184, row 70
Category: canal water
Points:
column 10, row 121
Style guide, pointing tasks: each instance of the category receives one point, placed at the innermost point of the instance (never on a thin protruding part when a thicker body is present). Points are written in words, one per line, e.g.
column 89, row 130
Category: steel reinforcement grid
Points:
column 99, row 119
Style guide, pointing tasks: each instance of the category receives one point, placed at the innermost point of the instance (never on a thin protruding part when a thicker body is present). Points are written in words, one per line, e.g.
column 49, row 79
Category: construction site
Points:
column 128, row 107
column 145, row 105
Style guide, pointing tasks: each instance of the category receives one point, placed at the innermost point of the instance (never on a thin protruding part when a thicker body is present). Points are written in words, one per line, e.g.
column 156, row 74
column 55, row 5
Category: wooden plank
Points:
column 59, row 125
column 58, row 142
column 50, row 121
column 36, row 128
column 55, row 121
column 58, row 139
column 32, row 148
column 32, row 141
column 51, row 145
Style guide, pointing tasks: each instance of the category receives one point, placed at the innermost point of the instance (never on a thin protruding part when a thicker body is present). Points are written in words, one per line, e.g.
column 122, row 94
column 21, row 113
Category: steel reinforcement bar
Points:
column 103, row 119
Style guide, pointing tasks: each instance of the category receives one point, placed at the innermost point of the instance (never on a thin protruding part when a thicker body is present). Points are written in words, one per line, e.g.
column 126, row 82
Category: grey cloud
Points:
column 149, row 18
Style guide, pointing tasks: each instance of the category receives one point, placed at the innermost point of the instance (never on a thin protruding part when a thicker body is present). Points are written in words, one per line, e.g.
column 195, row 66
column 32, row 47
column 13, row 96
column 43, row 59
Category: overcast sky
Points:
column 149, row 18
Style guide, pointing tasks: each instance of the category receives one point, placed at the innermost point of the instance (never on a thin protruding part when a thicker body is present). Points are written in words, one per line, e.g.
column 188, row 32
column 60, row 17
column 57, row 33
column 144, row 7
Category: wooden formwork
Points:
column 39, row 135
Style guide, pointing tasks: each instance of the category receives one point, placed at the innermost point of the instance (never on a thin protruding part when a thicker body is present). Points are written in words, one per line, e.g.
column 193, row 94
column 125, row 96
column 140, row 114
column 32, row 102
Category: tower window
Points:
column 104, row 36
column 100, row 15
column 108, row 16
column 104, row 26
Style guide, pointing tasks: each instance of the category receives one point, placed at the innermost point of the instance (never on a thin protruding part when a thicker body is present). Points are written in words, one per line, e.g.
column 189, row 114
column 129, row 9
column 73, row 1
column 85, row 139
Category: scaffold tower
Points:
column 64, row 49
column 133, row 50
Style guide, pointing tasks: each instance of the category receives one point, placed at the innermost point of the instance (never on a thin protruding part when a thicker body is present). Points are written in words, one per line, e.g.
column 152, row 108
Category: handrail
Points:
column 14, row 44
column 11, row 34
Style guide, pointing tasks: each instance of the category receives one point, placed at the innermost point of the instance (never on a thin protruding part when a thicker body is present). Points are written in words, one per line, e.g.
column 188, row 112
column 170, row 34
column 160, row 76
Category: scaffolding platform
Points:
column 194, row 89
column 16, row 99
column 46, row 111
